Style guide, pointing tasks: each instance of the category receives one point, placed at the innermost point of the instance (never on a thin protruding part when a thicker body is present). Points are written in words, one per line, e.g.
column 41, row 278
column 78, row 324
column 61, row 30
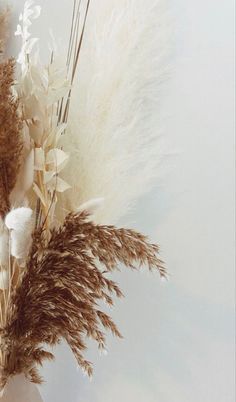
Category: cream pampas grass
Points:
column 91, row 206
column 111, row 137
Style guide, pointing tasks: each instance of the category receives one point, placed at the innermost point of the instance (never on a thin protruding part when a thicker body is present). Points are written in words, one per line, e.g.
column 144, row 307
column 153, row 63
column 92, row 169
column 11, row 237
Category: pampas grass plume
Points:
column 92, row 205
column 4, row 19
column 10, row 136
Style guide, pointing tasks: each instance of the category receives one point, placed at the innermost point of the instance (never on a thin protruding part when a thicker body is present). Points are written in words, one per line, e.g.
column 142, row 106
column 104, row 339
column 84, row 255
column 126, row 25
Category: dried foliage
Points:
column 10, row 135
column 62, row 287
column 4, row 19
column 53, row 282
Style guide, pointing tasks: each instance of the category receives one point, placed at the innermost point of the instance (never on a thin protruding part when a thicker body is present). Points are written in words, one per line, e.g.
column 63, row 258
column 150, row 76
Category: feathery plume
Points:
column 4, row 19
column 117, row 151
column 61, row 288
column 10, row 135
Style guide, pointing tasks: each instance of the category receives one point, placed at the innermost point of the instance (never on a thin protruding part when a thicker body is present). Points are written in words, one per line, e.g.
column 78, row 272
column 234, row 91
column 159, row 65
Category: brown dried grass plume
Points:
column 62, row 287
column 10, row 135
column 4, row 21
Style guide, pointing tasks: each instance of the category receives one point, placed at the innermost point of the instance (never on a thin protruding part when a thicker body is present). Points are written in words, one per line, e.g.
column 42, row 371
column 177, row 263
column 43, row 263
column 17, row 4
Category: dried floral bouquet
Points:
column 58, row 159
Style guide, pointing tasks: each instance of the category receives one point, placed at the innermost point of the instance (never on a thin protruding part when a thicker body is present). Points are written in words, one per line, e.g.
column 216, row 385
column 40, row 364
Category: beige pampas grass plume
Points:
column 114, row 119
column 91, row 206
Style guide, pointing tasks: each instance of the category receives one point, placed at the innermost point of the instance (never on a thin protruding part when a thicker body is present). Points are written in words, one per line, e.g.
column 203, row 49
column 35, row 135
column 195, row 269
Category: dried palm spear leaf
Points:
column 61, row 289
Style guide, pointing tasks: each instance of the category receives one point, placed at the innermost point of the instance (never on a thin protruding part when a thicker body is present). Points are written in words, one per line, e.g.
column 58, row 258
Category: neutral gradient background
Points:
column 178, row 336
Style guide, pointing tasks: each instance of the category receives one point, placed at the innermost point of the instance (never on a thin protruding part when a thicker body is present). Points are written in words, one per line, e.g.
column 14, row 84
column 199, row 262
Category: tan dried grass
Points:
column 61, row 288
column 10, row 135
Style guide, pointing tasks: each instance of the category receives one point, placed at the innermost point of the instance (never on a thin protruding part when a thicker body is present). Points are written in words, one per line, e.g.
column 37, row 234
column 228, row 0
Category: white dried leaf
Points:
column 56, row 158
column 57, row 184
column 26, row 50
column 62, row 185
column 36, row 129
column 40, row 89
column 47, row 176
column 33, row 108
column 55, row 94
column 18, row 31
column 35, row 12
column 54, row 135
column 30, row 11
column 39, row 76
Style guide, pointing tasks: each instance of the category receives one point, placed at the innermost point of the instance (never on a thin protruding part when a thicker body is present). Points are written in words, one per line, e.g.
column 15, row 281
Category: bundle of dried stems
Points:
column 54, row 270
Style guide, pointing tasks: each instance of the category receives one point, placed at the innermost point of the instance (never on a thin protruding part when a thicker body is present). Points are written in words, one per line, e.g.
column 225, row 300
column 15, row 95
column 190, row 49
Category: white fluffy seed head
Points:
column 19, row 219
column 20, row 223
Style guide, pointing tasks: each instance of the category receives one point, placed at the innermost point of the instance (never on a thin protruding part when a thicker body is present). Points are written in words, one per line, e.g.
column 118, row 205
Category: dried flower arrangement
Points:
column 55, row 253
